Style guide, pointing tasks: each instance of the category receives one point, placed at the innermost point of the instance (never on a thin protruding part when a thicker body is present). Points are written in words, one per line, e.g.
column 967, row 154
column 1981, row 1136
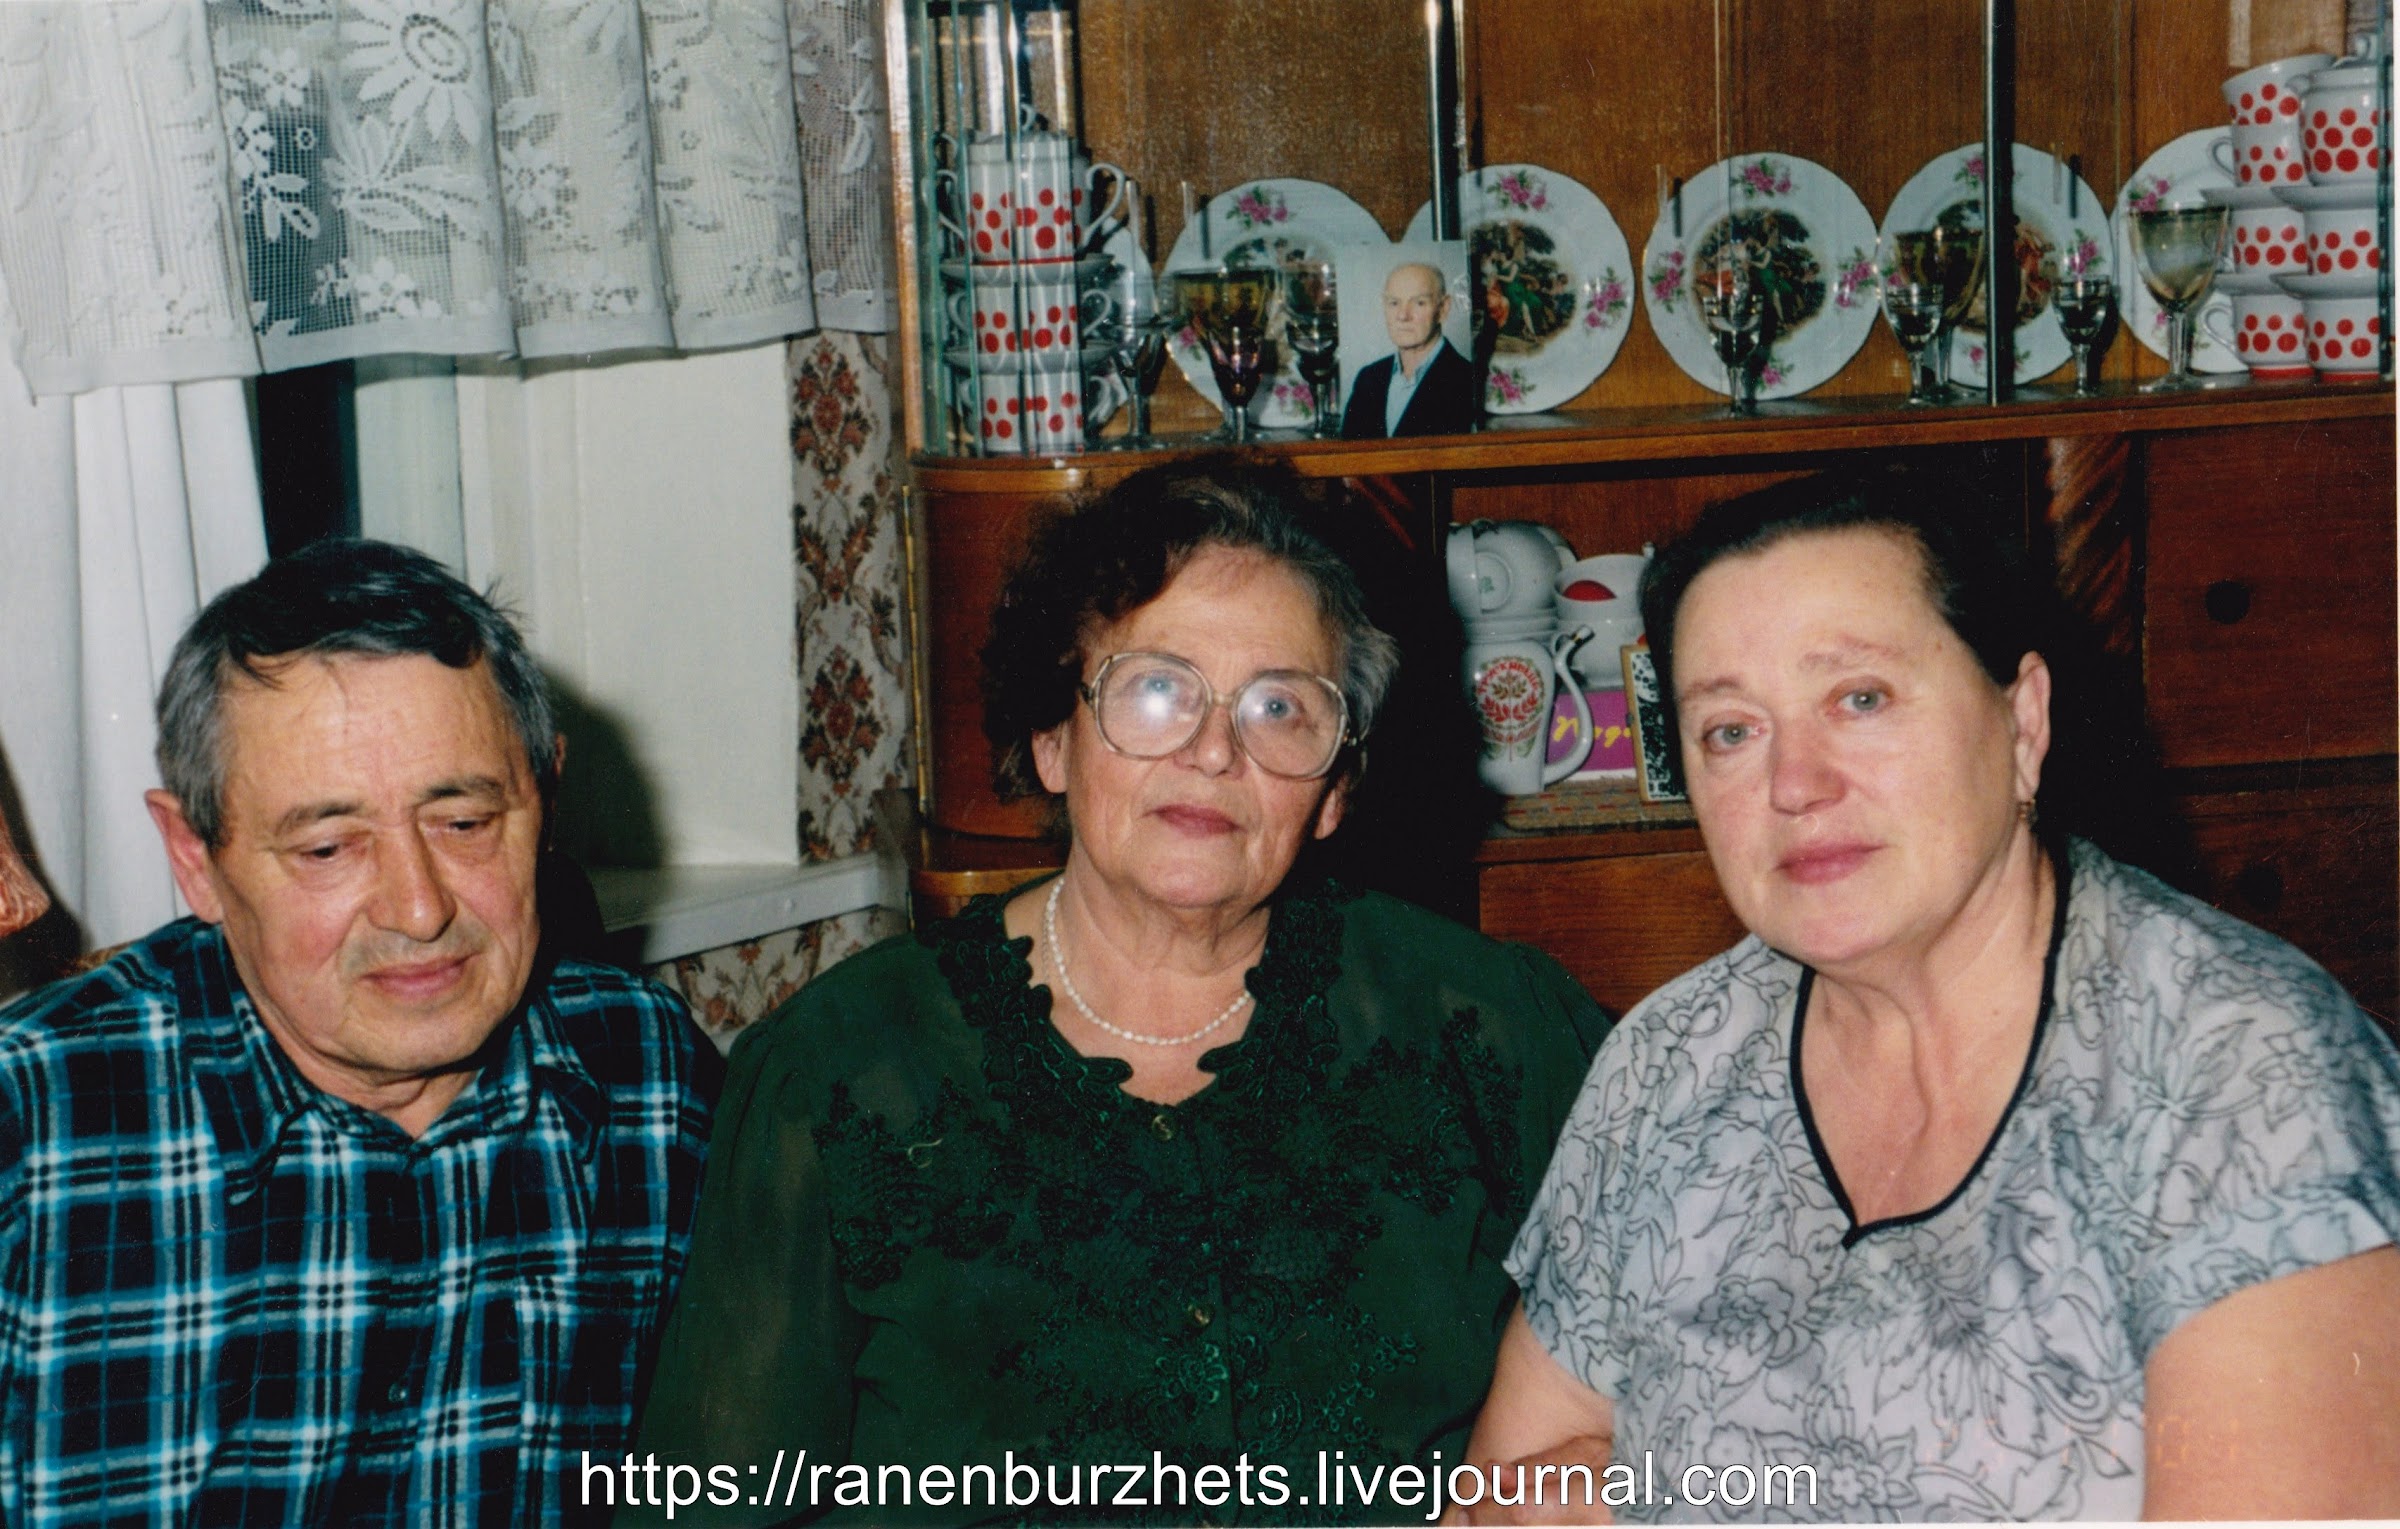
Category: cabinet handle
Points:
column 2226, row 601
column 2261, row 886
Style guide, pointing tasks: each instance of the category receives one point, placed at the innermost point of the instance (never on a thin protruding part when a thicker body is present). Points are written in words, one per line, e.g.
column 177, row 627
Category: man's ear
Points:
column 187, row 855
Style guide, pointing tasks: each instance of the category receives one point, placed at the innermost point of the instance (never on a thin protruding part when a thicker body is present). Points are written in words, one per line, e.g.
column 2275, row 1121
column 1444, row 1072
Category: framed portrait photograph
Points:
column 1658, row 763
column 1405, row 344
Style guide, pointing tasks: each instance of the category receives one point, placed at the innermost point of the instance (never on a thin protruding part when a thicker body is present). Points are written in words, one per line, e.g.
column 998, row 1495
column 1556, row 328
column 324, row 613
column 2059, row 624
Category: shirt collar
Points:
column 252, row 1094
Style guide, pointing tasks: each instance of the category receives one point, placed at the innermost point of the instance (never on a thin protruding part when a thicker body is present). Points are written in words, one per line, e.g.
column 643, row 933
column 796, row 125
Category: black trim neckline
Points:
column 2063, row 875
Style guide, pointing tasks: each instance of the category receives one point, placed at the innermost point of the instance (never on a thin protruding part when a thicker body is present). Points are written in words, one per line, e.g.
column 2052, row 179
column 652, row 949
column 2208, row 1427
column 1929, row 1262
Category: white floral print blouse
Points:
column 2201, row 1109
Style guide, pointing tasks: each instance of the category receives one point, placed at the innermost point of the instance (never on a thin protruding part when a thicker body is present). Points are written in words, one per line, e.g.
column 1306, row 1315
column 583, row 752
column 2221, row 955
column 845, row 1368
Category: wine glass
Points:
column 1949, row 257
column 1732, row 303
column 1147, row 312
column 1229, row 311
column 1913, row 303
column 1312, row 328
column 2176, row 250
column 2086, row 304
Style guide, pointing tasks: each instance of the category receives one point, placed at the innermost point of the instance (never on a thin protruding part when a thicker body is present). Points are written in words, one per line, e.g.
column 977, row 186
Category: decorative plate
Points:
column 1558, row 282
column 2194, row 162
column 1821, row 257
column 1257, row 226
column 2059, row 228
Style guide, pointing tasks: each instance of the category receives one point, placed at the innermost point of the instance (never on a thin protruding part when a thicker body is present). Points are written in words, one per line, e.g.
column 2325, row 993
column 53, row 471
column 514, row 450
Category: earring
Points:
column 2027, row 813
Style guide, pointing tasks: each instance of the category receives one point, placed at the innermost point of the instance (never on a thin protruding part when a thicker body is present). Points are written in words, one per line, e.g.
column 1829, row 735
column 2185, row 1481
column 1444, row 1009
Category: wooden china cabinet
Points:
column 2235, row 546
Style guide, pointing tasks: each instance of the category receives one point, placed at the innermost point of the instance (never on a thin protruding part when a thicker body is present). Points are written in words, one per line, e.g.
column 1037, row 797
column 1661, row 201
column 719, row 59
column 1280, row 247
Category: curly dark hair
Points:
column 1093, row 561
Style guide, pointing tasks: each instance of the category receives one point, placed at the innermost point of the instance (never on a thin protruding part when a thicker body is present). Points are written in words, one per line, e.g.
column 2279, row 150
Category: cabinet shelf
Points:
column 1689, row 432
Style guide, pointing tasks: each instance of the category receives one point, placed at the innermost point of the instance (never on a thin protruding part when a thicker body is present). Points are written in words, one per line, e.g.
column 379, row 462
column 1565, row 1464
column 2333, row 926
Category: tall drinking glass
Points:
column 1313, row 330
column 2176, row 250
column 1913, row 301
column 1949, row 257
column 1147, row 312
column 1732, row 303
column 2086, row 303
column 1229, row 311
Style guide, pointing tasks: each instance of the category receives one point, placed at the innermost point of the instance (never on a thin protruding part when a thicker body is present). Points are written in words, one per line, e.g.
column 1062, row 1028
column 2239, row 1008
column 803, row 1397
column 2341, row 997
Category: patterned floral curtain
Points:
column 216, row 187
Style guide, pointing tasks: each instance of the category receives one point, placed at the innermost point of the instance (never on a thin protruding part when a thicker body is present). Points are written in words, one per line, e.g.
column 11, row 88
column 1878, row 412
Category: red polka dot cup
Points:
column 1037, row 204
column 2342, row 128
column 2343, row 242
column 1046, row 407
column 2268, row 241
column 2345, row 337
column 2266, row 105
column 2269, row 332
column 1032, row 312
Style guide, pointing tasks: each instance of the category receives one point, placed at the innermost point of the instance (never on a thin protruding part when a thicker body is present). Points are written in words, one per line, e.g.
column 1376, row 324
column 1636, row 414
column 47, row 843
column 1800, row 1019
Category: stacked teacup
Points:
column 1024, row 290
column 2267, row 239
column 2338, row 289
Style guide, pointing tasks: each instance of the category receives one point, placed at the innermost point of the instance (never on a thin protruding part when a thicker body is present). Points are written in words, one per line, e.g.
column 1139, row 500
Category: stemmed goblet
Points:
column 1948, row 257
column 1732, row 303
column 1913, row 302
column 1313, row 330
column 2086, row 302
column 2176, row 250
column 1147, row 312
column 1228, row 311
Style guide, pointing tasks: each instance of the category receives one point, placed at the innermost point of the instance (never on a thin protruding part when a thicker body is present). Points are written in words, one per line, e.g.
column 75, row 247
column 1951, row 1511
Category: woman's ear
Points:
column 2029, row 710
column 1337, row 797
column 1049, row 750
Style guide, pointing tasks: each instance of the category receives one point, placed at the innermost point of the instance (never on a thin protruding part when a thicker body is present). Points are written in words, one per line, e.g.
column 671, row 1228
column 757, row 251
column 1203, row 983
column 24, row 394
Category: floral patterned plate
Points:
column 1558, row 282
column 1257, row 225
column 1821, row 261
column 2059, row 228
column 2194, row 162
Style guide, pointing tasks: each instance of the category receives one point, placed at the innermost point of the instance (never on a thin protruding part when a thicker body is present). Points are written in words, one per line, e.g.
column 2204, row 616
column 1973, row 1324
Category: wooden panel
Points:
column 970, row 542
column 2270, row 605
column 2315, row 867
column 1218, row 92
column 1621, row 926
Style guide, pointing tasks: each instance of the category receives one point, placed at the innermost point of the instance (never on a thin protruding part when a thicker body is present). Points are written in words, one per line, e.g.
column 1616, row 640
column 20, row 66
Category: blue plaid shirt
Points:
column 227, row 1297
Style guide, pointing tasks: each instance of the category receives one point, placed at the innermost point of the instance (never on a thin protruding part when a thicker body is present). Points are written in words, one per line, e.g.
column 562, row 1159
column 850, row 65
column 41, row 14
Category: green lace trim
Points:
column 1059, row 1174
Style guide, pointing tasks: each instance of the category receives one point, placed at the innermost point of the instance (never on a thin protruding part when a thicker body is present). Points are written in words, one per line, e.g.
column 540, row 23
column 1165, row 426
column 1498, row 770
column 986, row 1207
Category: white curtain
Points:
column 209, row 188
column 127, row 508
column 193, row 191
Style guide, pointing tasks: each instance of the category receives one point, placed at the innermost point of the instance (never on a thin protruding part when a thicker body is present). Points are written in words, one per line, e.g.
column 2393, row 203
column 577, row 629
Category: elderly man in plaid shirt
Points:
column 343, row 1202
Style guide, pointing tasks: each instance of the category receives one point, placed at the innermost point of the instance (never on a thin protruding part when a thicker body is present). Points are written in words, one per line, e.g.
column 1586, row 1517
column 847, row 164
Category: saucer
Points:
column 2240, row 197
column 2320, row 288
column 2341, row 198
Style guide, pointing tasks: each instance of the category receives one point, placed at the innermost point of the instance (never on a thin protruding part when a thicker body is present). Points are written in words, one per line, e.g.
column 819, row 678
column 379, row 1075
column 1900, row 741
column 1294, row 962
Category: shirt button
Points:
column 1162, row 1127
column 1201, row 1316
column 399, row 1393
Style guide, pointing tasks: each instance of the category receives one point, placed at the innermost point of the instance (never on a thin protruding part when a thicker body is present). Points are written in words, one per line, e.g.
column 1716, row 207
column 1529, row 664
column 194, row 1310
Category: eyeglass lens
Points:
column 1149, row 705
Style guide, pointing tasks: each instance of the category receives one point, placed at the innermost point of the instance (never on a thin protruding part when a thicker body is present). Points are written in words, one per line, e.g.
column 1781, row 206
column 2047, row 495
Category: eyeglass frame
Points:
column 1089, row 690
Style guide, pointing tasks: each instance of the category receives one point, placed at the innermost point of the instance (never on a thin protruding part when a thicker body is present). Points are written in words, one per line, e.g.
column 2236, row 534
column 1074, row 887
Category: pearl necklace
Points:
column 1058, row 958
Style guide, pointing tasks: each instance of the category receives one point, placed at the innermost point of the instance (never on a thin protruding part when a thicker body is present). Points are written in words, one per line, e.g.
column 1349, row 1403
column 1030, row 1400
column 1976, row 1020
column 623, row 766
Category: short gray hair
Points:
column 342, row 596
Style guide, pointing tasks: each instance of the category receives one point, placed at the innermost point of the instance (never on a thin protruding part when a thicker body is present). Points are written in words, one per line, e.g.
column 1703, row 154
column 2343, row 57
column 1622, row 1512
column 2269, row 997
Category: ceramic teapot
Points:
column 1501, row 570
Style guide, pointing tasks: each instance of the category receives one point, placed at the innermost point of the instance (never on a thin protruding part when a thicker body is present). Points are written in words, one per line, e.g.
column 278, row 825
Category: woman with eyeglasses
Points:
column 1175, row 1161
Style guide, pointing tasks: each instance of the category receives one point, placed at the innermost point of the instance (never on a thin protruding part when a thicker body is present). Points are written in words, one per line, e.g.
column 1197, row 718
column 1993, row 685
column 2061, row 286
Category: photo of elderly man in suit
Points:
column 1424, row 387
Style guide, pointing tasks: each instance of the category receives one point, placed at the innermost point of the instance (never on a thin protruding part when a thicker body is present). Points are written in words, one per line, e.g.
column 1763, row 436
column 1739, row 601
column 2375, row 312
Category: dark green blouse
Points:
column 933, row 1234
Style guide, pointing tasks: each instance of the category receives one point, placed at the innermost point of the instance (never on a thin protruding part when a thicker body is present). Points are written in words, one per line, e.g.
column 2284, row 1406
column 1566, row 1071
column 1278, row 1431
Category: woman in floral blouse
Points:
column 1990, row 1178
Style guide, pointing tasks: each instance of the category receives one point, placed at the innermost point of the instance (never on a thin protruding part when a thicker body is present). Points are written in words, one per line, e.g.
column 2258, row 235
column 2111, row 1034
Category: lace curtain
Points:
column 199, row 188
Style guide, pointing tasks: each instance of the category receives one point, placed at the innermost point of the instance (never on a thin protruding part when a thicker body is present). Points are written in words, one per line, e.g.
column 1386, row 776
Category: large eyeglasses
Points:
column 1149, row 705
